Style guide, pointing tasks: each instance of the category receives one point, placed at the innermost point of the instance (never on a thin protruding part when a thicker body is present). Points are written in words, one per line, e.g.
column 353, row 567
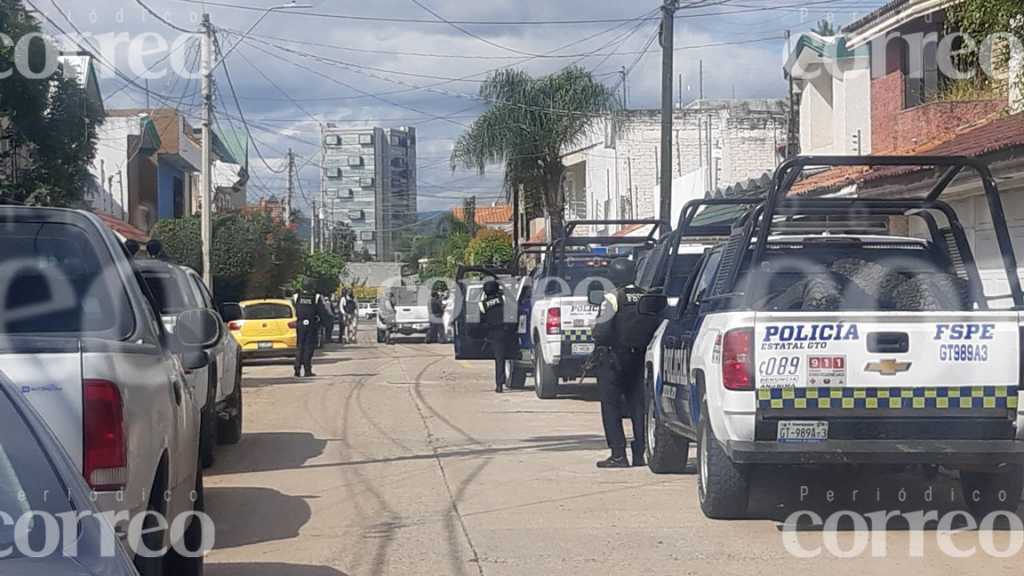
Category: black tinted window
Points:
column 54, row 280
column 266, row 312
column 170, row 295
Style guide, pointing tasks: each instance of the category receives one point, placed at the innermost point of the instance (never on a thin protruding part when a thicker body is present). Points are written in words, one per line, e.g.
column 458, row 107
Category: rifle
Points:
column 596, row 356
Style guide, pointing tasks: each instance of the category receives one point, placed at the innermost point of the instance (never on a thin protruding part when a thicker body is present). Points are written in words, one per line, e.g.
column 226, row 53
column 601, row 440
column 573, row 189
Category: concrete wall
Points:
column 625, row 164
column 111, row 159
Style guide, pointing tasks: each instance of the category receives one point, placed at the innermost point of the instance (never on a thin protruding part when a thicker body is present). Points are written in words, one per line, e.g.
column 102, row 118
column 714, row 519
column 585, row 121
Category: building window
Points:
column 366, row 182
column 366, row 139
column 366, row 235
column 340, row 194
column 398, row 141
column 355, row 160
column 333, row 172
column 332, row 140
column 356, row 215
column 921, row 79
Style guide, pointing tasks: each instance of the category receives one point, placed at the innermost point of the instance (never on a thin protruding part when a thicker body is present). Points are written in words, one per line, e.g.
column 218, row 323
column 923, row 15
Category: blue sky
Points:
column 390, row 73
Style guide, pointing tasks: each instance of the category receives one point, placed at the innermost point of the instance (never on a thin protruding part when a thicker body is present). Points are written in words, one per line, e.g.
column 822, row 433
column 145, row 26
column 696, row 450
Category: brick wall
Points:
column 747, row 141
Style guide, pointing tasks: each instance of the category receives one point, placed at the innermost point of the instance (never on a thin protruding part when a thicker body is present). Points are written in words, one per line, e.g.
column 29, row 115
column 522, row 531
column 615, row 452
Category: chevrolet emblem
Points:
column 887, row 367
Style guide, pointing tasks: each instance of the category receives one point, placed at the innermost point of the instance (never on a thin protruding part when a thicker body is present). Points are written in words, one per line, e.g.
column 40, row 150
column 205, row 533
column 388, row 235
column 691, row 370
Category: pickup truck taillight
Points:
column 235, row 326
column 737, row 358
column 105, row 452
column 293, row 325
column 554, row 321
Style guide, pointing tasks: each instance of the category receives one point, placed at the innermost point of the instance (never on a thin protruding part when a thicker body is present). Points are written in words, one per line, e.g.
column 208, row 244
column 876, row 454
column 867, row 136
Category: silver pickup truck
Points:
column 80, row 338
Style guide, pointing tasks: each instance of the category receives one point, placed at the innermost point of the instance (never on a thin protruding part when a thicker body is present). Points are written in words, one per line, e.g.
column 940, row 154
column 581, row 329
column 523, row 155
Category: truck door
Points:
column 472, row 341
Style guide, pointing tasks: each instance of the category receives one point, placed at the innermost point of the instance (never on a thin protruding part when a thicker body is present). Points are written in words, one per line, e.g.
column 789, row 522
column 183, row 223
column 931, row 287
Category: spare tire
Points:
column 810, row 294
column 878, row 282
column 934, row 292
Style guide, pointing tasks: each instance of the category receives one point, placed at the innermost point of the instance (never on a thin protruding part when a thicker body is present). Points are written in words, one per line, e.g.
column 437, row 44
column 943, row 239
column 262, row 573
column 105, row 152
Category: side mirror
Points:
column 230, row 312
column 198, row 329
column 196, row 360
column 652, row 304
column 596, row 297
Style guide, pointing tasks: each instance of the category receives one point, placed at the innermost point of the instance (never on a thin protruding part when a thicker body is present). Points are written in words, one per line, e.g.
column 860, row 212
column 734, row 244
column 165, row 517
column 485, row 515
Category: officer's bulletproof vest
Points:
column 306, row 305
column 632, row 329
column 494, row 310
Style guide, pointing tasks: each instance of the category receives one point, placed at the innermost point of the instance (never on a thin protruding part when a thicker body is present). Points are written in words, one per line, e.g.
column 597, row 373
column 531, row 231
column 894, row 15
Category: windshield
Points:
column 54, row 280
column 167, row 292
column 28, row 482
column 266, row 312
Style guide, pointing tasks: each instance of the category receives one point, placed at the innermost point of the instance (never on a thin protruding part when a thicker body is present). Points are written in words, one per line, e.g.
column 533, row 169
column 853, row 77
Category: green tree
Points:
column 51, row 123
column 529, row 124
column 325, row 268
column 980, row 19
column 490, row 248
column 448, row 224
column 825, row 27
column 286, row 253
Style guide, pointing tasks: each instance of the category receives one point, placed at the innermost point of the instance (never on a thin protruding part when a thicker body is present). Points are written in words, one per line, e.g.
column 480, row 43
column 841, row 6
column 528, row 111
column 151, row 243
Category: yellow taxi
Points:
column 267, row 328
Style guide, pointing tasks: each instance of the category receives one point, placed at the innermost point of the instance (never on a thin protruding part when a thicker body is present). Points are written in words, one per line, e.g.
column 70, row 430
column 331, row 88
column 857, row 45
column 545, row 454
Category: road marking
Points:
column 465, row 364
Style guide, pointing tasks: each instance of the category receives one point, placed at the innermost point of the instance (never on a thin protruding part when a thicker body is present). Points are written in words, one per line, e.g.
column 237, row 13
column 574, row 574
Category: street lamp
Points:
column 206, row 189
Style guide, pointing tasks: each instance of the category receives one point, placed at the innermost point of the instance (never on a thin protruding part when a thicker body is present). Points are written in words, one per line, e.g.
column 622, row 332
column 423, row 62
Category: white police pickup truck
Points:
column 817, row 336
column 561, row 315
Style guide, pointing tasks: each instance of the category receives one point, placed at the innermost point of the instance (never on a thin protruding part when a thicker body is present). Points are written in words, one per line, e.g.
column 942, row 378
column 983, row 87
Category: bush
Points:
column 490, row 248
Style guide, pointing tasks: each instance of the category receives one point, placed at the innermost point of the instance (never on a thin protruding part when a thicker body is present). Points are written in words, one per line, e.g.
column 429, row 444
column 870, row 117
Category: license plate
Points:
column 582, row 349
column 522, row 325
column 795, row 432
column 265, row 345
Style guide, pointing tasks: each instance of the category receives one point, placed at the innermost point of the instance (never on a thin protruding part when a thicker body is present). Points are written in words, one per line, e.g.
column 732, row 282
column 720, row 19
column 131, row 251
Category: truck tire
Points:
column 208, row 422
column 934, row 292
column 878, row 282
column 230, row 431
column 380, row 336
column 666, row 452
column 515, row 375
column 995, row 491
column 722, row 485
column 154, row 566
column 545, row 381
column 809, row 294
column 177, row 563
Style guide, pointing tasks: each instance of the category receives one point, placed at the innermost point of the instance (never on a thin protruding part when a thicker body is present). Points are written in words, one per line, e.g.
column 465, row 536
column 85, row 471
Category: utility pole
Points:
column 790, row 128
column 291, row 189
column 625, row 88
column 681, row 90
column 668, row 12
column 701, row 79
column 313, row 229
column 206, row 217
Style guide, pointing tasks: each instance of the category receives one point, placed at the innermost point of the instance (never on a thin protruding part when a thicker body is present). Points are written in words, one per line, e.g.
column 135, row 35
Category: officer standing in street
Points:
column 624, row 334
column 492, row 311
column 310, row 313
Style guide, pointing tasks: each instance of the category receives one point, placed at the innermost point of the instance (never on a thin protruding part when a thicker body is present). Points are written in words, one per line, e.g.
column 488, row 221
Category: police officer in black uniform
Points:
column 492, row 310
column 623, row 334
column 311, row 313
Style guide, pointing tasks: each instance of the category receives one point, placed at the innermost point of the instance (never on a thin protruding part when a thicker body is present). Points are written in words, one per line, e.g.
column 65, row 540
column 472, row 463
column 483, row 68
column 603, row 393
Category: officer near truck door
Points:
column 492, row 312
column 310, row 313
column 624, row 334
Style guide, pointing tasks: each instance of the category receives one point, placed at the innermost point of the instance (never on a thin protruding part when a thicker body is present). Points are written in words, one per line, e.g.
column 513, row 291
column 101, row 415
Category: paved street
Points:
column 401, row 460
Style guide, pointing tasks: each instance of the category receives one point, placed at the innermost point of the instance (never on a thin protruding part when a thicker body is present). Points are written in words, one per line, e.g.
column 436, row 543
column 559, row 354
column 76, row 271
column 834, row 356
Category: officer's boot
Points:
column 309, row 372
column 499, row 388
column 639, row 458
column 614, row 461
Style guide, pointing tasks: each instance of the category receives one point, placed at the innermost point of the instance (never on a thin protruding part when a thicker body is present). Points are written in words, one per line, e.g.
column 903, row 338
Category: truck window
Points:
column 54, row 280
column 707, row 277
column 170, row 296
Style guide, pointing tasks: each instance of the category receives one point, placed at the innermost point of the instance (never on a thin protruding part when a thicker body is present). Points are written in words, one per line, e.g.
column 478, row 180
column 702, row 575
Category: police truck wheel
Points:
column 722, row 486
column 988, row 492
column 208, row 422
column 230, row 431
column 666, row 452
column 177, row 563
column 514, row 375
column 545, row 381
column 380, row 336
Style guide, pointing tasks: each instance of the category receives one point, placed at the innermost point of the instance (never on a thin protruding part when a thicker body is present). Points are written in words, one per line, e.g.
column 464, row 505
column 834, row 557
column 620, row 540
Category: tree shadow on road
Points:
column 270, row 569
column 245, row 516
column 267, row 451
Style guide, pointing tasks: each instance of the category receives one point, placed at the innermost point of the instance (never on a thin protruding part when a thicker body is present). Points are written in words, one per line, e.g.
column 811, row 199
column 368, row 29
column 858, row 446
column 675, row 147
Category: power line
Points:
column 156, row 15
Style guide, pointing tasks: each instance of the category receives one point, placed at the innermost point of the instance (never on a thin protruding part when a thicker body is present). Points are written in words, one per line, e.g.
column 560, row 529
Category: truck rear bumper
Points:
column 910, row 452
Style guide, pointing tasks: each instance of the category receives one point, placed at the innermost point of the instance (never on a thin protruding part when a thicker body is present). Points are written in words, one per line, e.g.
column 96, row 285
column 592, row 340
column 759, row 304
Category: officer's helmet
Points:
column 308, row 285
column 622, row 272
column 491, row 287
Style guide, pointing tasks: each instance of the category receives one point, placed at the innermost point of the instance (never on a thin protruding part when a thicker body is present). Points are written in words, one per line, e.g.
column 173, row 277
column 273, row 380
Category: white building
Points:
column 369, row 183
column 832, row 84
column 715, row 142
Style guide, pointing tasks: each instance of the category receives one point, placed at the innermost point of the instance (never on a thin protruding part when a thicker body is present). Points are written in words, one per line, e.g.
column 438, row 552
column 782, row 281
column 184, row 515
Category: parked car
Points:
column 410, row 317
column 80, row 335
column 37, row 475
column 367, row 310
column 219, row 385
column 266, row 329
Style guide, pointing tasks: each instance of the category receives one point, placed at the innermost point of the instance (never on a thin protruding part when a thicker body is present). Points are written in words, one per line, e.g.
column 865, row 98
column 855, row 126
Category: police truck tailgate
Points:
column 578, row 317
column 814, row 369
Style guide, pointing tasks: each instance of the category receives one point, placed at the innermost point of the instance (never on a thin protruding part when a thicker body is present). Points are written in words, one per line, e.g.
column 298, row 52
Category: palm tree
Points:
column 529, row 124
column 825, row 28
